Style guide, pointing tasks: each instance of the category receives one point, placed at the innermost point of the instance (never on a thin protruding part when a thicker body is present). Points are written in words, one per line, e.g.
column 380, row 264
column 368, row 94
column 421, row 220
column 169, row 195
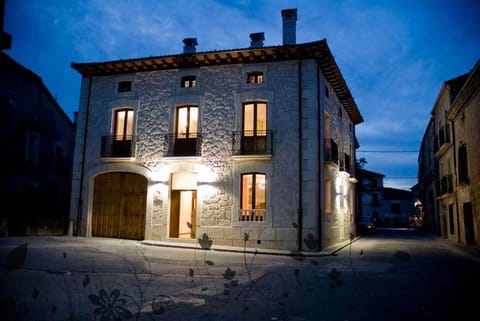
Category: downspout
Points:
column 82, row 172
column 320, row 162
column 300, row 167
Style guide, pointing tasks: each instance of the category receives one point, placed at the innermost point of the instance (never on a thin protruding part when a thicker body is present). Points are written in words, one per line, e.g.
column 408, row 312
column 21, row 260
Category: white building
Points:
column 246, row 147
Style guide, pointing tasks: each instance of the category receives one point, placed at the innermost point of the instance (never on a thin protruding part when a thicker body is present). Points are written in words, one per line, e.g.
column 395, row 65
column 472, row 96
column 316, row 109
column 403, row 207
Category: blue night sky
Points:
column 394, row 54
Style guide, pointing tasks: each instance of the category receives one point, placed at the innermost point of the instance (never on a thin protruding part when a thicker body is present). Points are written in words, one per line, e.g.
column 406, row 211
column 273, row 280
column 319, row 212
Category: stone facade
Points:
column 294, row 91
column 449, row 186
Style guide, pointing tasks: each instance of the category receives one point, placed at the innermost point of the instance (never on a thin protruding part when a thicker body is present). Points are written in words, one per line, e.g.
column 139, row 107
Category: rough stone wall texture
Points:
column 219, row 94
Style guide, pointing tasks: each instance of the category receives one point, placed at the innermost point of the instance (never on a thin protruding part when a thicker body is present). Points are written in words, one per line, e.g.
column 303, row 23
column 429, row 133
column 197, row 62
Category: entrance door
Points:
column 183, row 205
column 182, row 218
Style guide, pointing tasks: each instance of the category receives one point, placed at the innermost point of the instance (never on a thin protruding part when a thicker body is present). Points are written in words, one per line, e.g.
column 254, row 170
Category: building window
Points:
column 124, row 86
column 122, row 133
column 462, row 164
column 253, row 197
column 255, row 77
column 254, row 136
column 186, row 131
column 327, row 93
column 328, row 195
column 188, row 82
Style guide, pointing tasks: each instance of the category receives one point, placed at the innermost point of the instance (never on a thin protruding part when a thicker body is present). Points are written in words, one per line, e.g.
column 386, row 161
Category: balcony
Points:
column 183, row 145
column 442, row 141
column 252, row 142
column 118, row 146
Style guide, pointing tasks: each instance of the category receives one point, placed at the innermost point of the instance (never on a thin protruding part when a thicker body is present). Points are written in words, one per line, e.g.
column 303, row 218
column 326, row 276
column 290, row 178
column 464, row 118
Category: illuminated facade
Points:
column 218, row 145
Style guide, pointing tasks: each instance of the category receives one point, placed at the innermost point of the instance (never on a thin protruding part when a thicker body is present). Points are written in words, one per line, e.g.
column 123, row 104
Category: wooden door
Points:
column 119, row 206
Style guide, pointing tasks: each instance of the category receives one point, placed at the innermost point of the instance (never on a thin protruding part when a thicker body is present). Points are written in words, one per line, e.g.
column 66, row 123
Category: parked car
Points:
column 366, row 225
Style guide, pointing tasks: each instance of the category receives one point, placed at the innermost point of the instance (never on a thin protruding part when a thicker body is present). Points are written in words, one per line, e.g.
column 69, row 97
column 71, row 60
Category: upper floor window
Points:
column 187, row 121
column 123, row 133
column 253, row 197
column 185, row 141
column 254, row 118
column 188, row 82
column 255, row 77
column 123, row 125
column 124, row 86
column 254, row 136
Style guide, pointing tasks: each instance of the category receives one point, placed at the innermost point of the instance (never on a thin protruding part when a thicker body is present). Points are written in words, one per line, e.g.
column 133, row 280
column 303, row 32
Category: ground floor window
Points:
column 253, row 197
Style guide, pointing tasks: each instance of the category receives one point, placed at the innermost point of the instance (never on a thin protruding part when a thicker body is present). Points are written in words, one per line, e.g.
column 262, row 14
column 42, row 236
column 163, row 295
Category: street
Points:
column 388, row 275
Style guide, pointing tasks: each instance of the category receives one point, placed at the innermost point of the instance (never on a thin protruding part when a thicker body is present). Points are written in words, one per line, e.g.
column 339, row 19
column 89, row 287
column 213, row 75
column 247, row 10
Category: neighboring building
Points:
column 386, row 206
column 218, row 145
column 464, row 115
column 397, row 207
column 371, row 193
column 428, row 185
column 449, row 174
column 37, row 152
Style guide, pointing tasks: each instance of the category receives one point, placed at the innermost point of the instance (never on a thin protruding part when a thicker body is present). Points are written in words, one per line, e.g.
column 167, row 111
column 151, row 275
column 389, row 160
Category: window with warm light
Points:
column 254, row 128
column 123, row 124
column 328, row 195
column 255, row 77
column 188, row 82
column 253, row 197
column 187, row 121
column 186, row 131
column 121, row 145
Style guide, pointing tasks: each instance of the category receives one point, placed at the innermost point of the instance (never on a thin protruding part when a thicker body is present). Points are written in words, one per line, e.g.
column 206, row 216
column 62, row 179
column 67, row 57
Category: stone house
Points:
column 450, row 190
column 249, row 147
column 464, row 115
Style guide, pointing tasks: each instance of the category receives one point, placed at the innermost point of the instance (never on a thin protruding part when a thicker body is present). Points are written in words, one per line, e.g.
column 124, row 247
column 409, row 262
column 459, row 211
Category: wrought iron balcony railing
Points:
column 252, row 142
column 118, row 146
column 183, row 144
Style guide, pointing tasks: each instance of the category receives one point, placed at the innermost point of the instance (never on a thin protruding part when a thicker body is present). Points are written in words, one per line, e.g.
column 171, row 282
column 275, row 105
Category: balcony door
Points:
column 254, row 138
column 123, row 133
column 186, row 131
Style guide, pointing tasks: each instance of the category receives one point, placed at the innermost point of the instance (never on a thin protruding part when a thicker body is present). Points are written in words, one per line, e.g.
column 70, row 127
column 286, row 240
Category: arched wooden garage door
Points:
column 119, row 206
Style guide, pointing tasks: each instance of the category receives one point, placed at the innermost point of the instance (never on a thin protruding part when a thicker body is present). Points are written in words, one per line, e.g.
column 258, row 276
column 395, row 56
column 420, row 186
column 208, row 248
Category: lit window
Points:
column 124, row 86
column 253, row 197
column 255, row 77
column 328, row 195
column 188, row 82
column 254, row 137
column 186, row 141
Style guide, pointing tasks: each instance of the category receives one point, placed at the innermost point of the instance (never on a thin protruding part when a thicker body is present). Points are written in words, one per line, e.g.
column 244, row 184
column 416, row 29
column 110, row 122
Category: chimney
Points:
column 289, row 17
column 257, row 40
column 189, row 45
